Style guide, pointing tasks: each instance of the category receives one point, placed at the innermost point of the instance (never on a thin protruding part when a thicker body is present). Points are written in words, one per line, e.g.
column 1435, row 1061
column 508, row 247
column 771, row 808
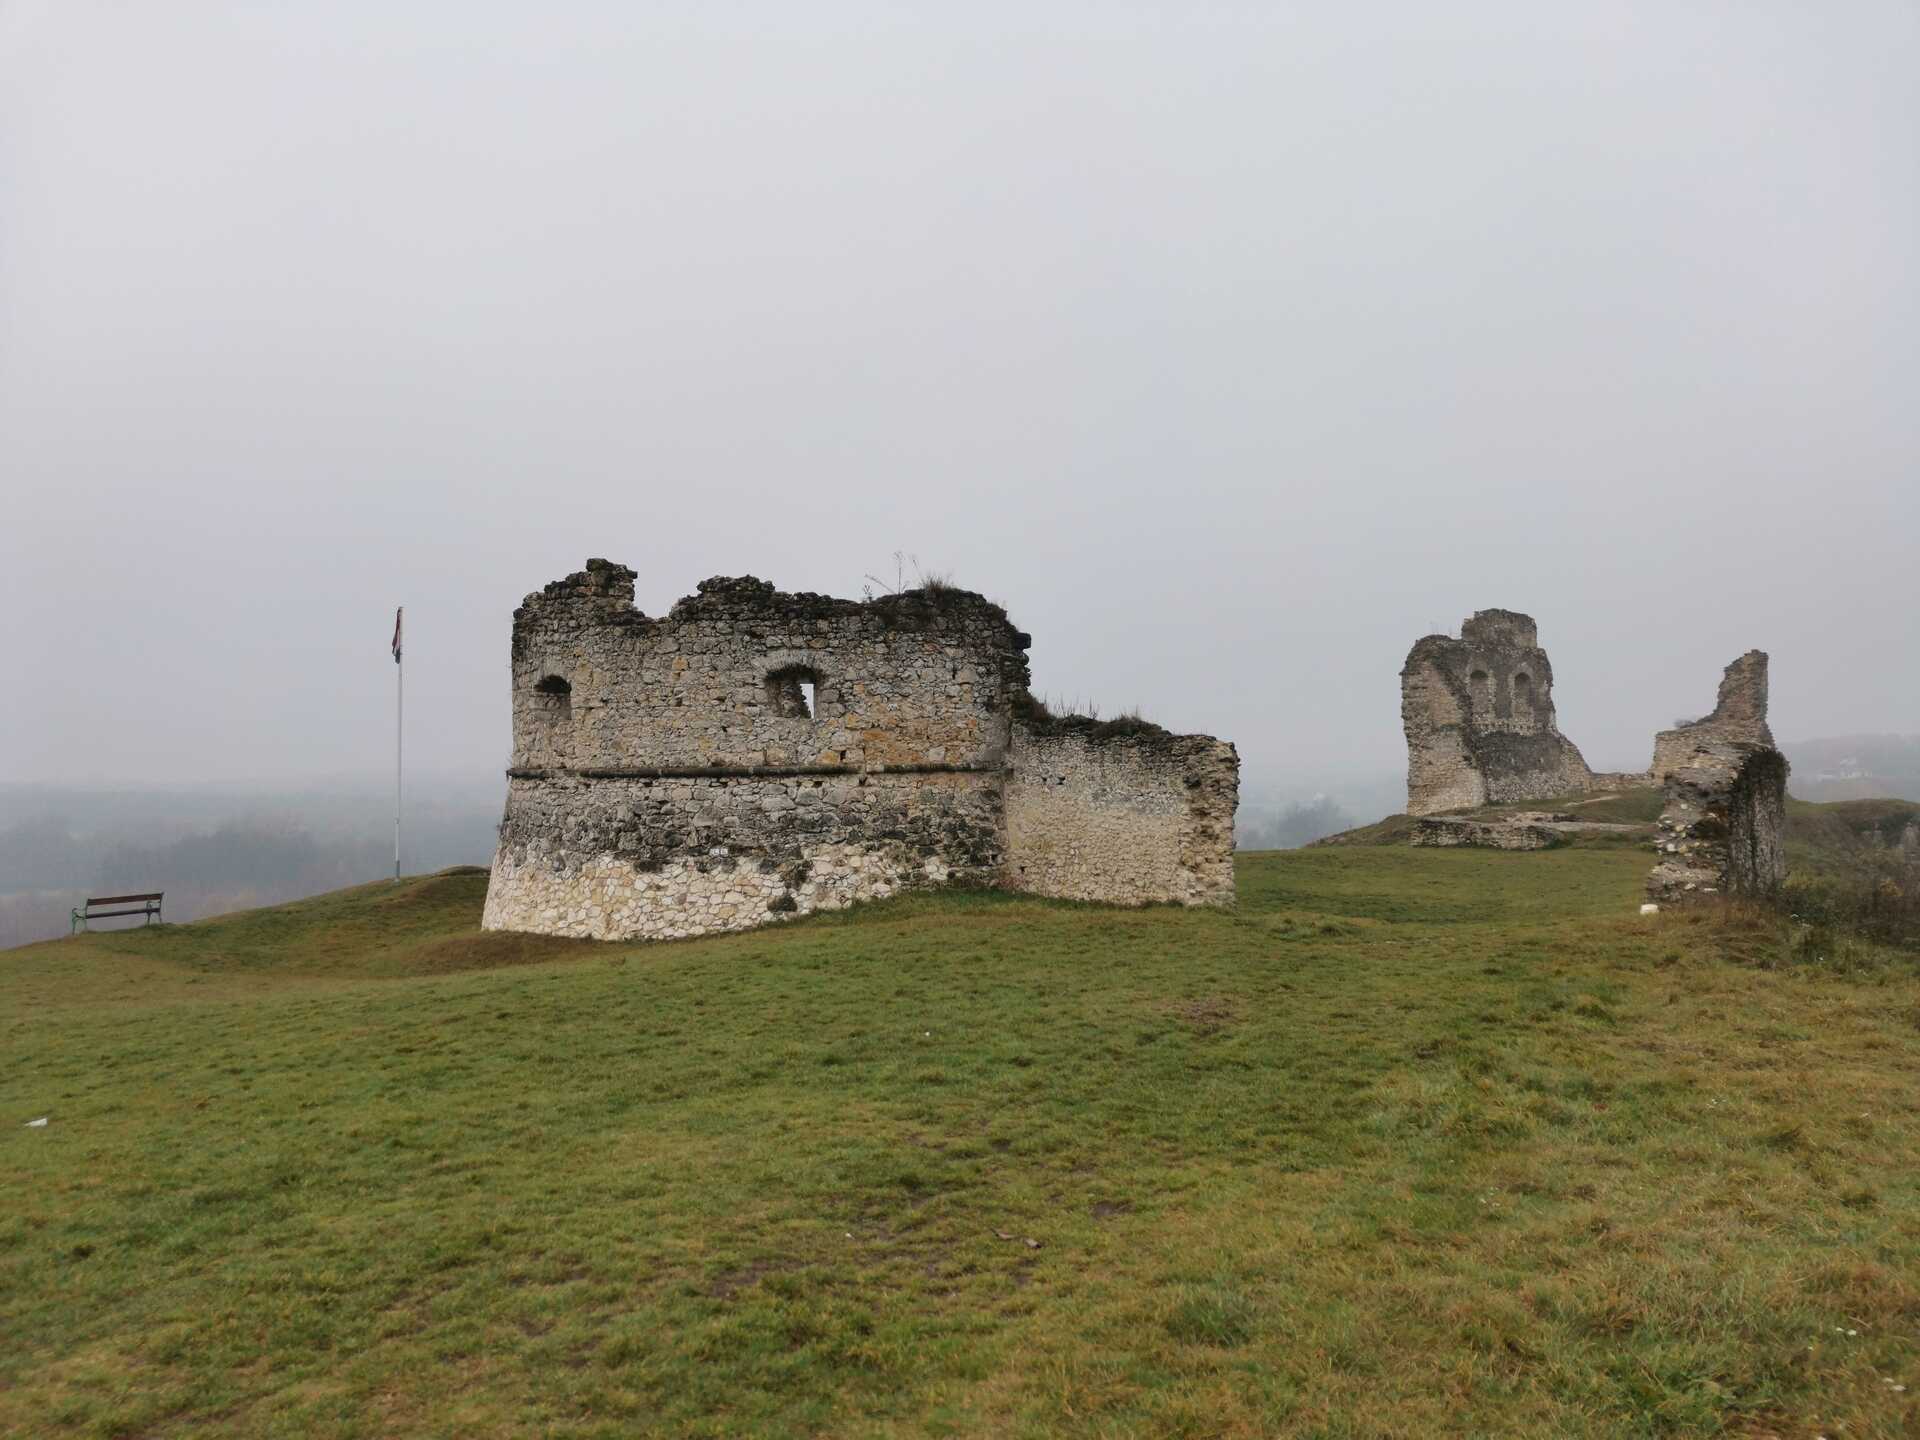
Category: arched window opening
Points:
column 792, row 691
column 1480, row 689
column 553, row 698
column 1523, row 694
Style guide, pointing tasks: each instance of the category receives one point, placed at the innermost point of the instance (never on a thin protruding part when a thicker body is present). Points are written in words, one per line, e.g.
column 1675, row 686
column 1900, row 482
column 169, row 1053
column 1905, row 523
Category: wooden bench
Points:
column 147, row 905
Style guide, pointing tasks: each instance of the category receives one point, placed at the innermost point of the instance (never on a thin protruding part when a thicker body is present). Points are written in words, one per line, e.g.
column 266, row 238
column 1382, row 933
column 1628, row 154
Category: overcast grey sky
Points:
column 1231, row 347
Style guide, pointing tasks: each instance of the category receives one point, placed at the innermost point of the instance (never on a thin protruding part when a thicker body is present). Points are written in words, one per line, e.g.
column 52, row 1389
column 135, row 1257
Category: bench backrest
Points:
column 96, row 908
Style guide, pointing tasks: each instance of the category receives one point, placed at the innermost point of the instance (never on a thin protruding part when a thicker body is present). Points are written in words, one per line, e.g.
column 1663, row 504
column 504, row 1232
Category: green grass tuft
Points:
column 1212, row 1314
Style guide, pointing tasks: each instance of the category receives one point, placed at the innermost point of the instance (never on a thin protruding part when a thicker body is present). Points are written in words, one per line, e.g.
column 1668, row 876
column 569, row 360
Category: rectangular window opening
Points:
column 792, row 691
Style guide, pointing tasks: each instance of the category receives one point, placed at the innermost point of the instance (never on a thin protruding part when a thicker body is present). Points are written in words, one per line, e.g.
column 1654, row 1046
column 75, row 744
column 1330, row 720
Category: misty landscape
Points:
column 1088, row 720
column 223, row 684
column 213, row 848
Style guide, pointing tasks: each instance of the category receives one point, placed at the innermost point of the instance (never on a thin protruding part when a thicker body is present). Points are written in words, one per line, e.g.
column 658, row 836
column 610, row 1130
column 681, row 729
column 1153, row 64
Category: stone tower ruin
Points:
column 1478, row 714
column 756, row 754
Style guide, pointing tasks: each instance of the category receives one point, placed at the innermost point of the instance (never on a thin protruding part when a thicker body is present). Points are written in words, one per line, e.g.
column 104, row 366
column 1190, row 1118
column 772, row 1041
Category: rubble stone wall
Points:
column 1479, row 719
column 917, row 679
column 1739, row 713
column 1507, row 833
column 1723, row 826
column 614, row 857
column 756, row 754
column 1096, row 813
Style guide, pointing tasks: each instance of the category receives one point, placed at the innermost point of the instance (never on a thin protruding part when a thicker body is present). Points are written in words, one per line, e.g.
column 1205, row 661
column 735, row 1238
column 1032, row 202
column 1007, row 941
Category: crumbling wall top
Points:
column 1739, row 717
column 1740, row 708
column 746, row 597
column 1501, row 627
column 1128, row 730
column 741, row 675
column 601, row 580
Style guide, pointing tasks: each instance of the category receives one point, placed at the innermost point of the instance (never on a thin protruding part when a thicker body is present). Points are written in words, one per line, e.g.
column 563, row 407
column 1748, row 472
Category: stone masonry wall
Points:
column 615, row 858
column 917, row 679
column 1479, row 719
column 1514, row 832
column 1121, row 814
column 1739, row 713
column 1722, row 829
column 755, row 755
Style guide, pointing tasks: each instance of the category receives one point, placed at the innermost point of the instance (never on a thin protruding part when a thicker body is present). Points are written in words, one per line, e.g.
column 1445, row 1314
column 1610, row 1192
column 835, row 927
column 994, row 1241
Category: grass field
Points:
column 1415, row 1143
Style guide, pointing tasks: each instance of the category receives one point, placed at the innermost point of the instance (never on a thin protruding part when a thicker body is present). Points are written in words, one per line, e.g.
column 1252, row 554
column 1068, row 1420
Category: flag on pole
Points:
column 396, row 633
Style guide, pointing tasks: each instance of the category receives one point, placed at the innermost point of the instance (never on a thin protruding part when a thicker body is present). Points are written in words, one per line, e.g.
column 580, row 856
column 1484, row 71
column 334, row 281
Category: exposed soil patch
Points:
column 1208, row 1015
column 495, row 949
column 729, row 1283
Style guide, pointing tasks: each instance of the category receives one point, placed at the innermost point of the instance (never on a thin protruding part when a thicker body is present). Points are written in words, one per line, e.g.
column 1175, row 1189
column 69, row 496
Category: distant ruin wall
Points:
column 1723, row 826
column 1518, row 832
column 756, row 755
column 1121, row 818
column 1479, row 719
column 1739, row 713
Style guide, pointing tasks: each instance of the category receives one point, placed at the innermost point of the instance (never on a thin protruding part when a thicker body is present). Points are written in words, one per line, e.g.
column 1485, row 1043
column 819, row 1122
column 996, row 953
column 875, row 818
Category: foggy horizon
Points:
column 1231, row 352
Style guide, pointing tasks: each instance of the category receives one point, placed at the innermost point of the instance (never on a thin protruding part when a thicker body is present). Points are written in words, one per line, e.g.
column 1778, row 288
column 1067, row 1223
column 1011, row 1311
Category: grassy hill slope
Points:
column 1625, row 807
column 1826, row 835
column 1415, row 1142
column 1820, row 836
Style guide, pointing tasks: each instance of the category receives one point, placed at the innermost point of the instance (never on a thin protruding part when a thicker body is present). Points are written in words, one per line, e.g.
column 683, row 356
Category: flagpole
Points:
column 399, row 713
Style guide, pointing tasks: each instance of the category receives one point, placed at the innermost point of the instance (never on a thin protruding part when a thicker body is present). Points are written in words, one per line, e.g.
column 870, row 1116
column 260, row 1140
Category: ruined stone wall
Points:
column 1479, row 719
column 1723, row 826
column 917, row 679
column 670, row 777
column 666, row 857
column 1512, row 832
column 1121, row 814
column 1739, row 713
column 756, row 754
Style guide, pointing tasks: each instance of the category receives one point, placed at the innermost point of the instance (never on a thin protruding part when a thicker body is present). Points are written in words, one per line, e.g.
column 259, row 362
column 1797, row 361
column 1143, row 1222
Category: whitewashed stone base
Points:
column 607, row 898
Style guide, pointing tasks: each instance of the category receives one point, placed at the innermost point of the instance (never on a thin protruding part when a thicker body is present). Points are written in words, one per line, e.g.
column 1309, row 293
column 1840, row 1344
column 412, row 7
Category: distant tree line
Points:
column 1291, row 826
column 262, row 850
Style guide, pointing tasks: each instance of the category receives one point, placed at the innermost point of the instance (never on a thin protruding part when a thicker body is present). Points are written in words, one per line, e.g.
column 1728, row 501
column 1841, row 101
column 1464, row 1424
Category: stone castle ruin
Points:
column 1478, row 712
column 1479, row 719
column 1722, row 827
column 756, row 754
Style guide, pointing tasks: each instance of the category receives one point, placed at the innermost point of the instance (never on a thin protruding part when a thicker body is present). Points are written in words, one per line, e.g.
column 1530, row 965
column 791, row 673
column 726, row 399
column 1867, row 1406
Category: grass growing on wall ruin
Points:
column 1416, row 1142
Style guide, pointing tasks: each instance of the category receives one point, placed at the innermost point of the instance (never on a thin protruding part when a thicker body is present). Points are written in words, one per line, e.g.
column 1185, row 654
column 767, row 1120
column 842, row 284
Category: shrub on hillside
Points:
column 1877, row 896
